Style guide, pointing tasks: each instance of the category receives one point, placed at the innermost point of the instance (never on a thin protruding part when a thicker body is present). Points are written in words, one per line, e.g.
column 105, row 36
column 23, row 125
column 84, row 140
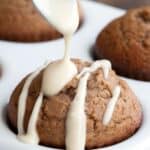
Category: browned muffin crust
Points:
column 126, row 43
column 20, row 21
column 125, row 121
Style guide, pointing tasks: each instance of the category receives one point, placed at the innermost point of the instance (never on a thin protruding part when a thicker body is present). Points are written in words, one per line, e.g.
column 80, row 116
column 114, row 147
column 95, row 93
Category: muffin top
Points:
column 51, row 124
column 126, row 43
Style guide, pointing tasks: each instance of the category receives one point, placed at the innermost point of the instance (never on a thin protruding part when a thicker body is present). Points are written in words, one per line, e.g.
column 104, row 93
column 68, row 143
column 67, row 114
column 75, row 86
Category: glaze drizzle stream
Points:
column 32, row 136
column 111, row 105
column 76, row 118
column 22, row 100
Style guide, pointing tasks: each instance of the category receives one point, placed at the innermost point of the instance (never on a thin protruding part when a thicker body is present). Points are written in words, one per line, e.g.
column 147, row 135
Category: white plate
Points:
column 19, row 59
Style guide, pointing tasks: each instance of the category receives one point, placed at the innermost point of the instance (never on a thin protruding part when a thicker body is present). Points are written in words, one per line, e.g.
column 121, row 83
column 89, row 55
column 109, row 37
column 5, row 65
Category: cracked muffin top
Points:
column 51, row 123
column 126, row 43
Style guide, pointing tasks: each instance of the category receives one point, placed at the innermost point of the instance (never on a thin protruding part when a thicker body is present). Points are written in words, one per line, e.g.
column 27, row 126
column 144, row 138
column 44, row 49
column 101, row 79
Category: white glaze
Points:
column 104, row 64
column 64, row 16
column 111, row 105
column 67, row 40
column 76, row 118
column 57, row 75
column 32, row 136
column 22, row 100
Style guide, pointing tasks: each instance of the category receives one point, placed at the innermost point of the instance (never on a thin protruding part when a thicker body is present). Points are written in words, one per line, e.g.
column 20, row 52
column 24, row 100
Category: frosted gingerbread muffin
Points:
column 126, row 43
column 21, row 21
column 112, row 111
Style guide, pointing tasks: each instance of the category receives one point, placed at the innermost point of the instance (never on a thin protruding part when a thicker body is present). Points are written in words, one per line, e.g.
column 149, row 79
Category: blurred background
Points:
column 126, row 4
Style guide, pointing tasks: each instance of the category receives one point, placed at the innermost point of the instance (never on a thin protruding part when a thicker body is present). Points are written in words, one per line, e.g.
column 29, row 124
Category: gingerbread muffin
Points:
column 21, row 21
column 51, row 123
column 126, row 43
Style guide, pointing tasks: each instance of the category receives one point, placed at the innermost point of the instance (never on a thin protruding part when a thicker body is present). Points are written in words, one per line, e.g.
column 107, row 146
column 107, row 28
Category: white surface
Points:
column 19, row 59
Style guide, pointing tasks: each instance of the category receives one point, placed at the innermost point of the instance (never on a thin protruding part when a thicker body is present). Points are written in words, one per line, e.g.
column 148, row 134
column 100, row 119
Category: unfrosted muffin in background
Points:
column 20, row 21
column 126, row 43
